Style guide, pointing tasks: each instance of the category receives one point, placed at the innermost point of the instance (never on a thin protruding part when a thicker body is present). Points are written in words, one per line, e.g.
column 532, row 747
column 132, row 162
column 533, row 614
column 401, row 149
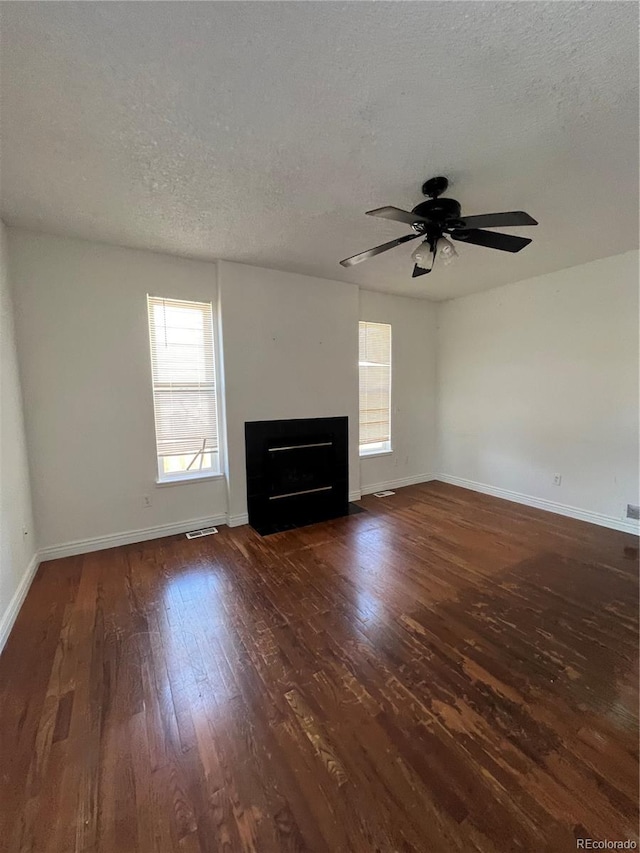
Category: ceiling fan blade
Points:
column 497, row 220
column 491, row 239
column 370, row 253
column 418, row 271
column 396, row 214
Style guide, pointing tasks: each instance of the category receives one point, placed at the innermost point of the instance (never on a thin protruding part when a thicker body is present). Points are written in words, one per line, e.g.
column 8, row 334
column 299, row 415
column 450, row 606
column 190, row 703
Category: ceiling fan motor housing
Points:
column 439, row 211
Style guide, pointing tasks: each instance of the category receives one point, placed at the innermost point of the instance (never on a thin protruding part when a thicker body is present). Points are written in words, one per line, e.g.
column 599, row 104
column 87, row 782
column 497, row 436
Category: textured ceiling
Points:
column 261, row 132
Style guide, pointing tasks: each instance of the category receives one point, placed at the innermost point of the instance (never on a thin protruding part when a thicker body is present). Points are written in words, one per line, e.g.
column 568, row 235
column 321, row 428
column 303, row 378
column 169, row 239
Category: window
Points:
column 184, row 388
column 375, row 388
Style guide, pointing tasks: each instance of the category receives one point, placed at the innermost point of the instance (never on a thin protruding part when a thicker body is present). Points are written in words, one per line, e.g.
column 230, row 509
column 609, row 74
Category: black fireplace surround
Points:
column 297, row 472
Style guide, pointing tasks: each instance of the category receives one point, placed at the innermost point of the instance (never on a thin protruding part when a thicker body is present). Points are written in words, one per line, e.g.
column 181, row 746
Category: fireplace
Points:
column 297, row 472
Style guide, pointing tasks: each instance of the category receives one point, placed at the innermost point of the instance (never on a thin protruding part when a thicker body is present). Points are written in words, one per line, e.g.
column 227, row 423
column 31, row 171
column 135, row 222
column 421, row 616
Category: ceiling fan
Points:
column 437, row 217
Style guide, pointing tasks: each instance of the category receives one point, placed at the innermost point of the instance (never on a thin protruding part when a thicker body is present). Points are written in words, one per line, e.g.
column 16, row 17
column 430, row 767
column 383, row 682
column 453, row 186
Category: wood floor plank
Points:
column 445, row 671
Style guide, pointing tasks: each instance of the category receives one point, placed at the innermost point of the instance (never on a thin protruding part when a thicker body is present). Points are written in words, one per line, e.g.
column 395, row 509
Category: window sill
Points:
column 376, row 453
column 192, row 478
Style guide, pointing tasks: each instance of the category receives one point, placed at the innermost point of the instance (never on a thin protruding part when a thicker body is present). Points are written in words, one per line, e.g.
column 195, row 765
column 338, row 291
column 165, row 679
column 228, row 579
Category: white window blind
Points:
column 184, row 387
column 375, row 387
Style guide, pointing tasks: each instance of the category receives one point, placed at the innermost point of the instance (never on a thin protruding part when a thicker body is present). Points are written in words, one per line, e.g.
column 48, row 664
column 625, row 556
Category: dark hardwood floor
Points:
column 445, row 672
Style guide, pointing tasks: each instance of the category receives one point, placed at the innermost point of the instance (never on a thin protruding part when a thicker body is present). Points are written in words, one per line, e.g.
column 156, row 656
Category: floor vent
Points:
column 206, row 531
column 385, row 494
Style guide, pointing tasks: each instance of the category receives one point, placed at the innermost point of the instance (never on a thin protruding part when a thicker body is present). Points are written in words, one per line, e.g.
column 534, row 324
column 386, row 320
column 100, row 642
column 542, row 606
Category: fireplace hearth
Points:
column 297, row 472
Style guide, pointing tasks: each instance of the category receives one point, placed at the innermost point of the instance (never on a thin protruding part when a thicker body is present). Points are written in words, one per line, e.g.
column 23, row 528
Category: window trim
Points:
column 369, row 454
column 177, row 478
column 362, row 448
column 180, row 480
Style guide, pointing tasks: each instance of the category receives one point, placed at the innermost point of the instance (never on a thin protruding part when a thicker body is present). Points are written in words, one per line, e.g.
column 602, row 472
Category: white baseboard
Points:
column 237, row 520
column 10, row 614
column 99, row 543
column 84, row 546
column 542, row 503
column 397, row 484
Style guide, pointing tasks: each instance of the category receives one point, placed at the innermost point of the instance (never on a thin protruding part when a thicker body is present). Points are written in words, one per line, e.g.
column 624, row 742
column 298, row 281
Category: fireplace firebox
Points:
column 297, row 472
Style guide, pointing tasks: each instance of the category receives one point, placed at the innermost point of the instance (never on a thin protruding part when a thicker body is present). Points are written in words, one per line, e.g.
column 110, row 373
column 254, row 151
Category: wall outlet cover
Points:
column 633, row 512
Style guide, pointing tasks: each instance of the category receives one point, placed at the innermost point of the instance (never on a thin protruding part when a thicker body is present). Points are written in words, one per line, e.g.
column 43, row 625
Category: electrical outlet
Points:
column 557, row 479
column 633, row 512
column 146, row 500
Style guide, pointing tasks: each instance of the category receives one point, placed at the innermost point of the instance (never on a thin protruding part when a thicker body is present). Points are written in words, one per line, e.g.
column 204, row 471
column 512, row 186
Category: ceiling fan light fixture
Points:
column 423, row 256
column 446, row 251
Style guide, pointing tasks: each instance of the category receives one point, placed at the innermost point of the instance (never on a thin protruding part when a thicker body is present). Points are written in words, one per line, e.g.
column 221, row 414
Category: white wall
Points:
column 541, row 377
column 290, row 346
column 533, row 378
column 16, row 550
column 81, row 320
column 413, row 391
column 289, row 349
